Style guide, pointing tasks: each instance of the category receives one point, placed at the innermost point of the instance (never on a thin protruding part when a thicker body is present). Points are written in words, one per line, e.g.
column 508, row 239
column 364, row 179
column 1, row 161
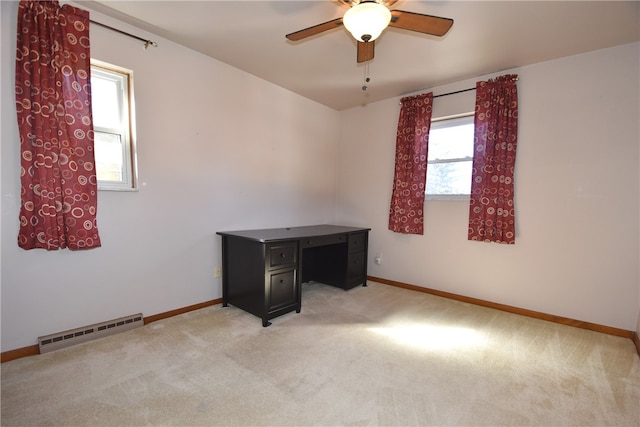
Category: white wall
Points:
column 218, row 149
column 576, row 251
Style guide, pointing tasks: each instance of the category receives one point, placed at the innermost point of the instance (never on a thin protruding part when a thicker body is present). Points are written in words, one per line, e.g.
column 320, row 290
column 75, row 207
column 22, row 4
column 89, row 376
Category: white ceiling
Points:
column 486, row 37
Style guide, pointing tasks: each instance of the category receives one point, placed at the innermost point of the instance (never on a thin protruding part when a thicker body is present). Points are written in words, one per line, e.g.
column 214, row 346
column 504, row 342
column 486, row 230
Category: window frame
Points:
column 126, row 131
column 429, row 196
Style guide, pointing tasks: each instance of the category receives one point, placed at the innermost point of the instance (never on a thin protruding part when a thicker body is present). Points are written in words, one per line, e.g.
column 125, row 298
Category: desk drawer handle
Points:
column 283, row 255
column 281, row 281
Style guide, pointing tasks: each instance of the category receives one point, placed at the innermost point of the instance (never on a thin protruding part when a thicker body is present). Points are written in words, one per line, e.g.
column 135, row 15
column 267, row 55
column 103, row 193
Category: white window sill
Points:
column 459, row 197
column 114, row 188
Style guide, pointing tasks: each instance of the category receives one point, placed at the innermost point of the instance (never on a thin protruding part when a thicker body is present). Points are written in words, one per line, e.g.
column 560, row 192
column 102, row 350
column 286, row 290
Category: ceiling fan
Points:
column 366, row 19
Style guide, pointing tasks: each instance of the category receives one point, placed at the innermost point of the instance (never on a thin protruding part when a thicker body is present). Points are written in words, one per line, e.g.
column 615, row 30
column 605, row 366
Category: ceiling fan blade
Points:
column 316, row 29
column 365, row 51
column 426, row 24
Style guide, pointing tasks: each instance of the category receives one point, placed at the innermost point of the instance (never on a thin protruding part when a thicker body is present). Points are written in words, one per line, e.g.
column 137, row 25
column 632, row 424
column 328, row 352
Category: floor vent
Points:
column 88, row 333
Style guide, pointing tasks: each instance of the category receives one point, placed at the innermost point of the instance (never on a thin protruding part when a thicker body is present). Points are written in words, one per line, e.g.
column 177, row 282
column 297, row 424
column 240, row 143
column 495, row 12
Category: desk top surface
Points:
column 288, row 233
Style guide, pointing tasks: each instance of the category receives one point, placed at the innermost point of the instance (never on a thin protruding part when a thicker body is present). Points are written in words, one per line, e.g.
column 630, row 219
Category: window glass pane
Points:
column 449, row 178
column 450, row 156
column 109, row 160
column 113, row 124
column 451, row 140
column 106, row 111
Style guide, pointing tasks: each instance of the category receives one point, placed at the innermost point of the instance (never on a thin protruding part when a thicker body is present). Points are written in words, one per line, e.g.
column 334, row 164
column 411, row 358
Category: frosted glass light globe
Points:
column 367, row 20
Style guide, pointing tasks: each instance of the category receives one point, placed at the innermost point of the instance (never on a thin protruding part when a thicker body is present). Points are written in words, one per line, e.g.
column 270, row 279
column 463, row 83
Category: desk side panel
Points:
column 244, row 274
column 357, row 259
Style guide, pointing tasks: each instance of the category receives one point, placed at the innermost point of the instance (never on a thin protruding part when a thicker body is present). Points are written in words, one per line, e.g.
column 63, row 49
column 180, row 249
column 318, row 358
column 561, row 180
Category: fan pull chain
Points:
column 366, row 77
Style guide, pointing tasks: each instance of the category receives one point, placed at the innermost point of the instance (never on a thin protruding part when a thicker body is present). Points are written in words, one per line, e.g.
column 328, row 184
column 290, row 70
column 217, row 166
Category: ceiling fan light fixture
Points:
column 366, row 20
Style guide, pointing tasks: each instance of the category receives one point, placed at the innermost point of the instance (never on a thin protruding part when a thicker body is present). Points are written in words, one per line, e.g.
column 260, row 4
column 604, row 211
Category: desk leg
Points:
column 225, row 275
column 265, row 323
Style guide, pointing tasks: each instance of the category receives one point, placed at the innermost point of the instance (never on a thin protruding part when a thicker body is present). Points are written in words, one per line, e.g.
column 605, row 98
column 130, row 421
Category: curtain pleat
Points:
column 491, row 207
column 53, row 100
column 406, row 211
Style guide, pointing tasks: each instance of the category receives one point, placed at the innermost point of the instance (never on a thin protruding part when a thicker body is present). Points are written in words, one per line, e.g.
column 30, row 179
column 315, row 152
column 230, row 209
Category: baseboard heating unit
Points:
column 79, row 335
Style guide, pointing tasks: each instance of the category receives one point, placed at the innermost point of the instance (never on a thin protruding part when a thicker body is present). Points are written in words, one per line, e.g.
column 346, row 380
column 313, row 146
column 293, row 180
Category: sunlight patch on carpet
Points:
column 432, row 337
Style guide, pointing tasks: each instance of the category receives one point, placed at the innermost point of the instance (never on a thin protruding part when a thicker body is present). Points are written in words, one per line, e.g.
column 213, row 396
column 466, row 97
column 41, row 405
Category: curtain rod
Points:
column 453, row 93
column 147, row 42
column 449, row 93
column 460, row 91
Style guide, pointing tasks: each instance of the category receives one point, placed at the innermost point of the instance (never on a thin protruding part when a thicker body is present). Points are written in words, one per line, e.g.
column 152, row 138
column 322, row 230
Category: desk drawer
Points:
column 282, row 254
column 310, row 242
column 282, row 290
column 357, row 242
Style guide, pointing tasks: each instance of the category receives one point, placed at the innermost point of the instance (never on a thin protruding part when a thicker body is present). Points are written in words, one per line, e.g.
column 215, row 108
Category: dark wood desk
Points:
column 262, row 270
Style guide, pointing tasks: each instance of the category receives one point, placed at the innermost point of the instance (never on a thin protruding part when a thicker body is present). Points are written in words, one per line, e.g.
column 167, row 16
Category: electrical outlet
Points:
column 378, row 259
column 217, row 272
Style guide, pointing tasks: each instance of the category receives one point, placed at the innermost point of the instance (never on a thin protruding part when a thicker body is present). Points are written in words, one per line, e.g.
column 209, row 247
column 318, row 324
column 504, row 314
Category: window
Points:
column 450, row 157
column 113, row 124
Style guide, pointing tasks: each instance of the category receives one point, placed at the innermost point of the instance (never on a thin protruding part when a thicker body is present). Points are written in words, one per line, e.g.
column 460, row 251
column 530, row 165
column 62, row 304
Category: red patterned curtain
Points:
column 409, row 182
column 491, row 208
column 53, row 101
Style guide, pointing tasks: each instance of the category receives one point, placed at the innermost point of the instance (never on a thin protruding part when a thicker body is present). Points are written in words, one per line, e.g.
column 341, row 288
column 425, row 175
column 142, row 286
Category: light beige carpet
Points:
column 375, row 355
